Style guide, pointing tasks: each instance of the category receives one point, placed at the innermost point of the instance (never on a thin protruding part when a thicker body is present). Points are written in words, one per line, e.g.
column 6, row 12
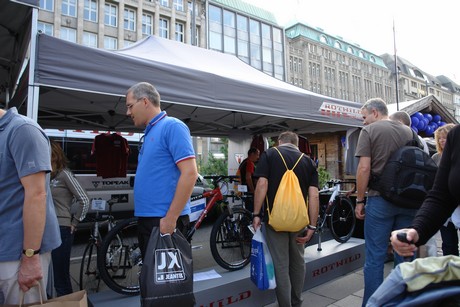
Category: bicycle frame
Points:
column 216, row 196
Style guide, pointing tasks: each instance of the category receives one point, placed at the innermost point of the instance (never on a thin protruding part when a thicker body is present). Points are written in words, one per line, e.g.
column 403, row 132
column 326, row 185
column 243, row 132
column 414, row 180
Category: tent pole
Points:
column 32, row 97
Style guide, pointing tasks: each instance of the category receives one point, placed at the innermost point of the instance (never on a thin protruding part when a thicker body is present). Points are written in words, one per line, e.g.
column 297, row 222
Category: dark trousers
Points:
column 146, row 224
column 61, row 263
column 449, row 235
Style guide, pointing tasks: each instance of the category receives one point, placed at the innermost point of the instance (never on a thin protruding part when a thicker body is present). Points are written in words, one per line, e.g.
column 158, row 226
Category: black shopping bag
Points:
column 167, row 271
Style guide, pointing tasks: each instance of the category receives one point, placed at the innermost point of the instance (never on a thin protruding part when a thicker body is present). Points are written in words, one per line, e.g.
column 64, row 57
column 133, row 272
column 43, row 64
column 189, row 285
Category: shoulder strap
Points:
column 282, row 158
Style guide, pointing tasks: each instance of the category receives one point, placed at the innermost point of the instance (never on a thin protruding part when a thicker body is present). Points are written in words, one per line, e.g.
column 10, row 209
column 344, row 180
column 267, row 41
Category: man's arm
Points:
column 313, row 210
column 362, row 180
column 249, row 182
column 34, row 218
column 184, row 189
column 259, row 196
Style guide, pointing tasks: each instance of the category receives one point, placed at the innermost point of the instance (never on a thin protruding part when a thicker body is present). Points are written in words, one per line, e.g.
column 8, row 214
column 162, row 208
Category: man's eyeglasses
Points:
column 130, row 106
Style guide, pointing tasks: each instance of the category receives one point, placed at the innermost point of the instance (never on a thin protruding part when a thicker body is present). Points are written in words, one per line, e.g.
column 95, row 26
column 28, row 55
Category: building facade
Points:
column 328, row 65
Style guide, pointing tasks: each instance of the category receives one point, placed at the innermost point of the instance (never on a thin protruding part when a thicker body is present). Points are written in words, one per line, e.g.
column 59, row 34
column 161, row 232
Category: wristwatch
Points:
column 360, row 201
column 256, row 215
column 30, row 252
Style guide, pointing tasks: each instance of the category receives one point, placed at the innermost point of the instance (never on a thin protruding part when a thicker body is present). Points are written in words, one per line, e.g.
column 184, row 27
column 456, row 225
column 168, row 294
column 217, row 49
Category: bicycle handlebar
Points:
column 216, row 179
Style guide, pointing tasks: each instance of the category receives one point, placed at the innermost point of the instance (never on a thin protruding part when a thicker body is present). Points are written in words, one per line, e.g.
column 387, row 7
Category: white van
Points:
column 77, row 144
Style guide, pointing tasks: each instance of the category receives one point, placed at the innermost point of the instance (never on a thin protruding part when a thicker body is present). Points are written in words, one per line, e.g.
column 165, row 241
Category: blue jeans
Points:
column 382, row 217
column 61, row 263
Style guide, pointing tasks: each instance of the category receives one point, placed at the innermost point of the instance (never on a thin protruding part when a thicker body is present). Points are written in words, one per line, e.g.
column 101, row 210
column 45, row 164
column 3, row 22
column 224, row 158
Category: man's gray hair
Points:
column 147, row 90
column 402, row 117
column 289, row 137
column 376, row 104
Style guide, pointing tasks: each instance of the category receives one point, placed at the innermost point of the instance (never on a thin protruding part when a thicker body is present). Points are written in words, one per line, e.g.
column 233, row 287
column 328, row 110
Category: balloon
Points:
column 434, row 125
column 426, row 120
column 429, row 131
column 415, row 129
column 414, row 120
column 419, row 115
column 436, row 118
column 428, row 116
column 421, row 125
column 441, row 124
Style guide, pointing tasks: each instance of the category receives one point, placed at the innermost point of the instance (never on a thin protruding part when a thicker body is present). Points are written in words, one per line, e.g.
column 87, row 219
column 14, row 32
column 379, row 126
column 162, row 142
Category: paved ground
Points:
column 346, row 291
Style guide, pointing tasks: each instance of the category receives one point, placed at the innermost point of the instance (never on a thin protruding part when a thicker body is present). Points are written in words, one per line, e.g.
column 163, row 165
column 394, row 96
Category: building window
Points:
column 229, row 32
column 69, row 8
column 147, row 24
column 110, row 43
column 110, row 15
column 215, row 28
column 323, row 39
column 90, row 39
column 361, row 54
column 69, row 34
column 90, row 12
column 164, row 28
column 164, row 3
column 129, row 20
column 179, row 5
column 47, row 5
column 179, row 32
column 46, row 28
column 350, row 50
column 338, row 45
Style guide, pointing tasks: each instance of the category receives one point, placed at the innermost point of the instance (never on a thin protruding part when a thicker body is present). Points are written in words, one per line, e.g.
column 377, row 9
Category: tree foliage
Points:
column 216, row 166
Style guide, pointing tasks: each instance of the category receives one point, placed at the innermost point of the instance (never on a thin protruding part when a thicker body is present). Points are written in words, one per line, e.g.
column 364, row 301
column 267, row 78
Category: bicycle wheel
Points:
column 119, row 261
column 342, row 220
column 231, row 239
column 89, row 275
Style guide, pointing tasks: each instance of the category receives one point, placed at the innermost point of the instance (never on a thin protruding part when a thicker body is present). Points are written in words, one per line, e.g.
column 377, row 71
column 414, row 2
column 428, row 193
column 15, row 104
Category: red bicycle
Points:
column 231, row 236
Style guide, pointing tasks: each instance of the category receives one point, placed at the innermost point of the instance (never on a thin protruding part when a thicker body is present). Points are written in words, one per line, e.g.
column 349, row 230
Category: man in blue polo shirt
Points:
column 166, row 171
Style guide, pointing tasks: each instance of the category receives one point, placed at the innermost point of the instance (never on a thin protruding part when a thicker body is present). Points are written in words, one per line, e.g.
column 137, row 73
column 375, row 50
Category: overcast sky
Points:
column 426, row 31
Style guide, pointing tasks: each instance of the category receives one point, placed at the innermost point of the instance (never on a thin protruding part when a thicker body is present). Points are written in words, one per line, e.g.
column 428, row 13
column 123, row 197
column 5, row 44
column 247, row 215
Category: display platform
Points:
column 236, row 289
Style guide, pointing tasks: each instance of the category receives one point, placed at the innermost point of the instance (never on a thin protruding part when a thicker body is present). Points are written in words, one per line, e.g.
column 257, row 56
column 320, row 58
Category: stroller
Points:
column 432, row 281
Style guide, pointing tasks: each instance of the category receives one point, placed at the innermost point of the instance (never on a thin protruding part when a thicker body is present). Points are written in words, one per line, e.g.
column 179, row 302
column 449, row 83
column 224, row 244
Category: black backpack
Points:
column 407, row 177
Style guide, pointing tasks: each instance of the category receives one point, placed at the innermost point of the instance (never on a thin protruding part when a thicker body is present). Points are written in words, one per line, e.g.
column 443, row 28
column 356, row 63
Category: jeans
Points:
column 61, row 263
column 449, row 235
column 382, row 217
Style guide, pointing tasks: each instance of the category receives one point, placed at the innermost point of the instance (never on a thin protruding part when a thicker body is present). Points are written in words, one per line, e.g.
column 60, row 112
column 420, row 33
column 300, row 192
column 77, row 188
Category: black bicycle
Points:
column 89, row 271
column 338, row 212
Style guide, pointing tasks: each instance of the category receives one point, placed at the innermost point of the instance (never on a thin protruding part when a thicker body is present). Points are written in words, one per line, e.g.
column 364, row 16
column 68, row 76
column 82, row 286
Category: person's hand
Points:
column 402, row 248
column 73, row 229
column 359, row 211
column 256, row 223
column 30, row 272
column 305, row 237
column 167, row 225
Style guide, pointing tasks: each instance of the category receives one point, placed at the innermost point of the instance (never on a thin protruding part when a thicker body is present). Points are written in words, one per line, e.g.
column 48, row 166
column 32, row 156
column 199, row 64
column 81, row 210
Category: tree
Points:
column 215, row 166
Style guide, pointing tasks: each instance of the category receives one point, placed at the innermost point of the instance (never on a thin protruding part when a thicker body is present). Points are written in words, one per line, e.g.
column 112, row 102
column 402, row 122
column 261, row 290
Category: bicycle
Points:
column 89, row 273
column 338, row 212
column 120, row 258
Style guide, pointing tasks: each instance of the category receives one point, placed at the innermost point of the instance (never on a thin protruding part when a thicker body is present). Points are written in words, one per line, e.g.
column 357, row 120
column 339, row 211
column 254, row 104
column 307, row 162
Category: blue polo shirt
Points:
column 24, row 150
column 167, row 142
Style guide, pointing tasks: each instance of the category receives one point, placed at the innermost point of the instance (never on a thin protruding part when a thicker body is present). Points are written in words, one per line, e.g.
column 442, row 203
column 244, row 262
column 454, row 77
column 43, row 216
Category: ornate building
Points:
column 328, row 65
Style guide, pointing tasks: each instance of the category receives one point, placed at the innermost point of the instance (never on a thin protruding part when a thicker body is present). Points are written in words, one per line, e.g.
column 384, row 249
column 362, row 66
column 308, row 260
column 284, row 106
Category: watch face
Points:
column 29, row 252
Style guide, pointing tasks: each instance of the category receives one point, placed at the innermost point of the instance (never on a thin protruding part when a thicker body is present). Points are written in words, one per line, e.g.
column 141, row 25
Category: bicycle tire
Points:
column 89, row 274
column 119, row 261
column 231, row 239
column 342, row 219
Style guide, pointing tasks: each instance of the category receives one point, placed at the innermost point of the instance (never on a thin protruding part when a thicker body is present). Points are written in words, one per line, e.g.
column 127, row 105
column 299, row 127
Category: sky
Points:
column 426, row 32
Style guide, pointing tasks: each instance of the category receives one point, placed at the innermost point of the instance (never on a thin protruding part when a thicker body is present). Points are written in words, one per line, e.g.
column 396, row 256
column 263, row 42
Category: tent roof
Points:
column 214, row 93
column 426, row 104
column 15, row 24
